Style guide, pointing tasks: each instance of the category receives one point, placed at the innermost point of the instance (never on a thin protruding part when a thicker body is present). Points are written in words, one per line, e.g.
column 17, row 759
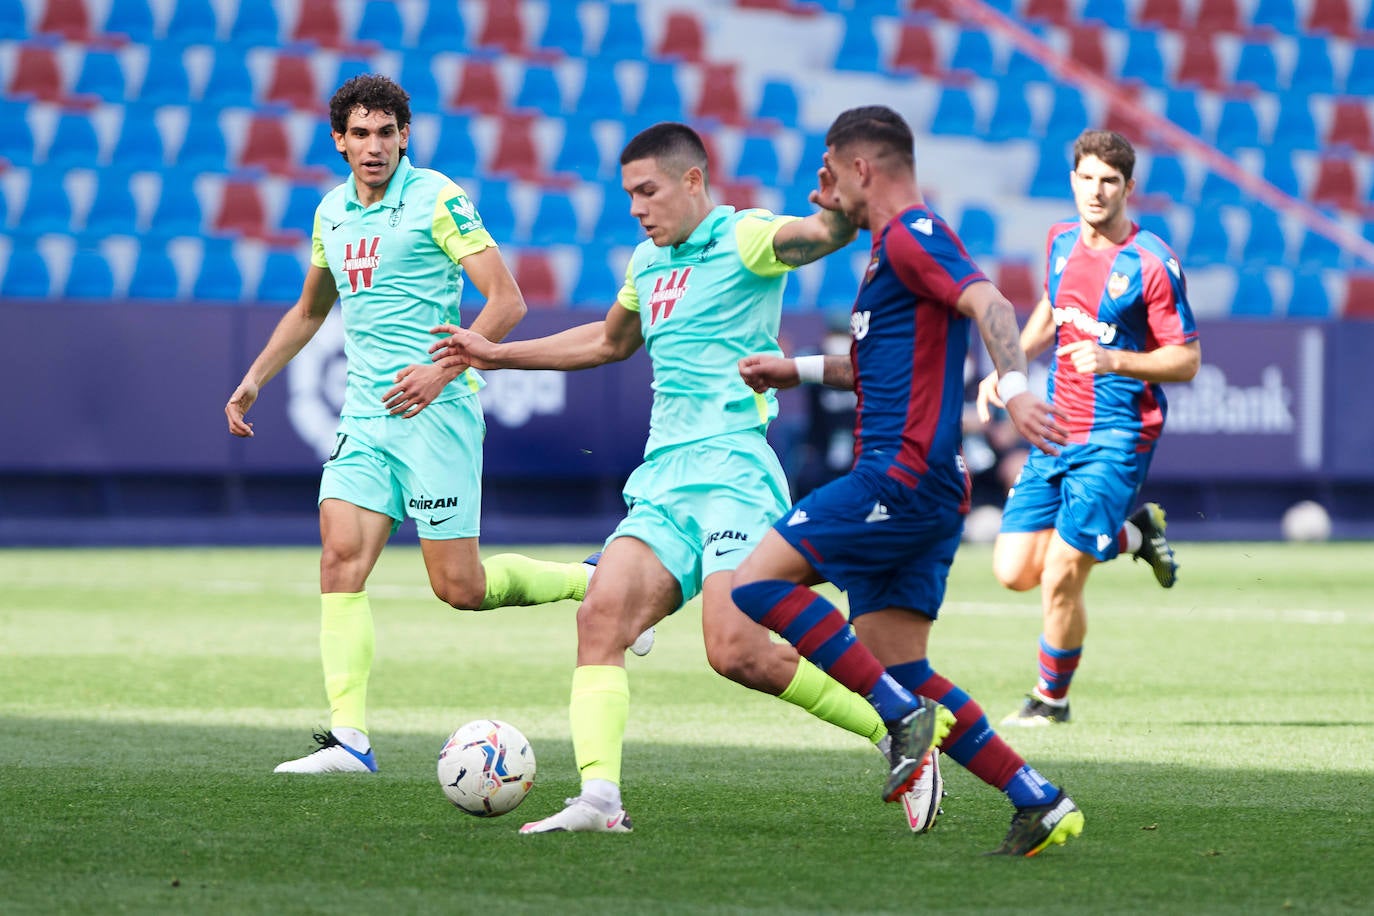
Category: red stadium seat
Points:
column 1198, row 65
column 503, row 28
column 1336, row 184
column 37, row 74
column 719, row 99
column 266, row 146
column 742, row 195
column 241, row 210
column 479, row 89
column 293, row 83
column 68, row 18
column 1017, row 281
column 1086, row 48
column 1350, row 126
column 1050, row 12
column 916, row 51
column 537, row 279
column 319, row 23
column 682, row 38
column 516, row 154
column 1125, row 119
column 1217, row 16
column 1165, row 14
column 1331, row 17
column 1359, row 296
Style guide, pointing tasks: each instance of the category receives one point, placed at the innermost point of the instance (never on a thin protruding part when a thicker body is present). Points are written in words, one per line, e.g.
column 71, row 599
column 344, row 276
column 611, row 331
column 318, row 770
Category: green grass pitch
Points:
column 1221, row 749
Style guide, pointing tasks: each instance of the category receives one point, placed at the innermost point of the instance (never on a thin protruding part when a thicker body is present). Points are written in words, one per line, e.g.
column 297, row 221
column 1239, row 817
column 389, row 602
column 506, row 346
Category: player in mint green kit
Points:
column 702, row 292
column 392, row 244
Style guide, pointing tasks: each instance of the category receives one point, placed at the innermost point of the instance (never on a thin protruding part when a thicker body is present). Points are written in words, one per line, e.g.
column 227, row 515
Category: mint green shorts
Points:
column 428, row 468
column 702, row 507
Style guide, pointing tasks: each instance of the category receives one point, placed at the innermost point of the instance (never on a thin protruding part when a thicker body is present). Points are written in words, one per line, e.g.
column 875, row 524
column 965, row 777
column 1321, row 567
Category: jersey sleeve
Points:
column 317, row 257
column 1168, row 313
column 754, row 232
column 628, row 297
column 933, row 264
column 457, row 226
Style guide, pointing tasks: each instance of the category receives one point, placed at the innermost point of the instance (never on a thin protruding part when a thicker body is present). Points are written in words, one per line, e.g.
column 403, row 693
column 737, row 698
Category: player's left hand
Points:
column 415, row 389
column 1033, row 420
column 1088, row 357
column 763, row 372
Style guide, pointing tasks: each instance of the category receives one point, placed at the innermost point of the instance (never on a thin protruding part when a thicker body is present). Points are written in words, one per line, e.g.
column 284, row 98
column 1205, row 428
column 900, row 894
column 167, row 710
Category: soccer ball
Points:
column 1306, row 521
column 486, row 768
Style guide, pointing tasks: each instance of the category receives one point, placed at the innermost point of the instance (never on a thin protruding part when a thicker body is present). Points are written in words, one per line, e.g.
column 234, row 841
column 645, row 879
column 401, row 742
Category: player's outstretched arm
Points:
column 613, row 339
column 996, row 319
column 813, row 237
column 1036, row 338
column 292, row 332
column 1169, row 363
column 761, row 371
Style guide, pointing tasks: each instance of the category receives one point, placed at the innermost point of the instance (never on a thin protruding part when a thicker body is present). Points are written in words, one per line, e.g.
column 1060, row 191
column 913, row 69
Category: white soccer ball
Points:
column 1306, row 521
column 486, row 768
column 982, row 524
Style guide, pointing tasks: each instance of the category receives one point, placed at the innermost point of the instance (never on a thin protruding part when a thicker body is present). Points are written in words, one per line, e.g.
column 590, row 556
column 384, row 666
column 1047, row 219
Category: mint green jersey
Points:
column 396, row 265
column 703, row 305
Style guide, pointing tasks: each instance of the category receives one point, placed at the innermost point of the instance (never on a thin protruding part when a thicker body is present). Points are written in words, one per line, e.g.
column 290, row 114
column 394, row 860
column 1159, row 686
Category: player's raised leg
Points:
column 1150, row 544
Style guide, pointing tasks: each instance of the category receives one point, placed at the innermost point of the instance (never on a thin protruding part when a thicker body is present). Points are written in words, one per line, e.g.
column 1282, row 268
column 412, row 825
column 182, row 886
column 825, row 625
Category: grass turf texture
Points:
column 1220, row 749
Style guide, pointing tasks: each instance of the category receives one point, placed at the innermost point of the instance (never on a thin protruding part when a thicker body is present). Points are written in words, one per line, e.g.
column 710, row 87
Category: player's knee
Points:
column 460, row 595
column 600, row 627
column 1014, row 573
column 741, row 659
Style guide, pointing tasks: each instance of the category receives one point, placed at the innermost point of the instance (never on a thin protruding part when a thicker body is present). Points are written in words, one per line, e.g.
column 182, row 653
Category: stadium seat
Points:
column 972, row 53
column 193, row 22
column 859, row 50
column 719, row 100
column 89, row 276
column 1253, row 298
column 155, row 275
column 219, row 278
column 978, row 231
column 16, row 140
column 455, row 154
column 321, row 152
column 1279, row 15
column 1359, row 295
column 555, row 221
column 1143, row 61
column 132, row 19
column 777, row 104
column 165, row 81
column 417, row 76
column 1359, row 79
column 1350, row 126
column 1011, row 118
column 479, row 88
column 1318, row 252
column 839, row 283
column 1155, row 223
column 600, row 96
column 1294, row 127
column 682, row 38
column 1309, row 298
column 538, row 281
column 113, row 210
column 1312, row 70
column 299, row 213
column 75, row 144
column 494, row 206
column 742, row 195
column 1209, row 243
column 101, row 76
column 515, row 155
column 381, row 23
column 1266, row 246
column 917, row 51
column 563, row 31
column 350, row 66
column 230, row 83
column 46, row 209
column 68, row 18
column 1279, row 171
column 1110, row 13
column 178, row 209
column 266, row 145
column 1051, row 177
column 256, row 24
column 1237, row 126
column 1197, row 65
column 1257, row 67
column 319, row 23
column 26, row 274
column 13, row 19
column 539, row 91
column 1180, row 107
column 36, row 74
column 1213, row 16
column 1087, row 49
column 1330, row 17
column 1166, row 180
column 293, row 83
column 614, row 225
column 579, row 156
column 954, row 114
column 758, row 160
column 443, row 29
column 1217, row 190
column 1047, row 12
column 241, row 211
column 1025, row 68
column 203, row 149
column 503, row 28
column 1068, row 114
column 623, row 38
column 597, row 281
column 1016, row 280
column 282, row 277
column 661, row 99
column 1336, row 184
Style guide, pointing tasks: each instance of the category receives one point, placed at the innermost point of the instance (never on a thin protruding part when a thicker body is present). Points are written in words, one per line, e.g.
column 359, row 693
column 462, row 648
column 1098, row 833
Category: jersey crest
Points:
column 361, row 263
column 1117, row 284
column 666, row 294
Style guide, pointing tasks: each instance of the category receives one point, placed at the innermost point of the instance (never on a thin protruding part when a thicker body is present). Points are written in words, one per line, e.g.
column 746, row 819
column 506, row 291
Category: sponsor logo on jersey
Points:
column 666, row 294
column 1117, row 284
column 925, row 225
column 464, row 214
column 858, row 324
column 1089, row 325
column 727, row 541
column 424, row 504
column 360, row 264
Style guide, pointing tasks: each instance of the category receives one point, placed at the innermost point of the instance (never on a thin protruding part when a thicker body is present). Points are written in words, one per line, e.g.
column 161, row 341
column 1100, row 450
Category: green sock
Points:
column 346, row 650
column 599, row 709
column 826, row 699
column 514, row 580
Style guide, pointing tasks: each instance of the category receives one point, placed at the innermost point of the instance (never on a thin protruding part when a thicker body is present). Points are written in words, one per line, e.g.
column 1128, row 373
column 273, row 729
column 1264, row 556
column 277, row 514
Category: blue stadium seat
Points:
column 350, row 67
column 1143, row 60
column 13, row 22
column 101, row 76
column 139, row 147
column 417, row 76
column 1253, row 297
column 972, row 53
column 1294, row 127
column 1318, row 252
column 46, row 209
column 26, row 274
column 1166, row 178
column 203, row 149
column 1217, row 190
column 1237, row 127
column 555, row 220
column 494, row 206
column 1359, row 80
column 219, row 279
column 256, row 24
column 89, row 276
column 758, row 159
column 443, row 30
column 839, row 284
column 165, row 81
column 1278, row 14
column 954, row 114
column 178, row 209
column 282, row 277
column 1012, row 118
column 133, row 18
column 1257, row 67
column 539, row 91
column 321, row 151
column 1309, row 298
column 1180, row 106
column 16, row 140
column 299, row 213
column 614, row 225
column 74, row 144
column 1051, row 178
column 1312, row 70
column 579, row 155
column 859, row 48
column 600, row 97
column 597, row 282
column 563, row 30
column 1068, row 115
column 193, row 22
column 230, row 83
column 1023, row 68
column 155, row 276
column 978, row 231
column 1157, row 224
column 455, row 154
column 113, row 209
column 623, row 38
column 1279, row 171
column 778, row 102
column 1209, row 242
column 381, row 22
column 661, row 100
column 1111, row 13
column 1266, row 245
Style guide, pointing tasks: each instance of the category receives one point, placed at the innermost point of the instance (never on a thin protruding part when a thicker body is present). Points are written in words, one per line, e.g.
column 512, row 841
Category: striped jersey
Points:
column 704, row 305
column 908, row 352
column 1131, row 296
column 396, row 266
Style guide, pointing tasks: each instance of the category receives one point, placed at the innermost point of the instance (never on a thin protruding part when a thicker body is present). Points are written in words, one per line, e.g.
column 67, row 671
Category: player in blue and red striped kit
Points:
column 886, row 532
column 1116, row 310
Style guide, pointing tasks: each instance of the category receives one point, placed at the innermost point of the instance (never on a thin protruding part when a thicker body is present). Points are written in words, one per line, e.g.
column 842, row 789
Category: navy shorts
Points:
column 884, row 544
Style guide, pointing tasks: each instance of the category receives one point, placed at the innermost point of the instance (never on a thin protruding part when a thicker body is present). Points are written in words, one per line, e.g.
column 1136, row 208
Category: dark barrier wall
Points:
column 105, row 389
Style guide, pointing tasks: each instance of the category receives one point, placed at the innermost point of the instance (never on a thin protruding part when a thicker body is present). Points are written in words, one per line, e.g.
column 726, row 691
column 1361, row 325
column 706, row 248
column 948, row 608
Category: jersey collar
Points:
column 705, row 232
column 394, row 188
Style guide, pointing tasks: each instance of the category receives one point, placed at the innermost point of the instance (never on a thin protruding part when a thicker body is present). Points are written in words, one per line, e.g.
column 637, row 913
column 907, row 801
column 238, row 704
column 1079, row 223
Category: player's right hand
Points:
column 461, row 348
column 239, row 402
column 1033, row 420
column 761, row 372
column 987, row 394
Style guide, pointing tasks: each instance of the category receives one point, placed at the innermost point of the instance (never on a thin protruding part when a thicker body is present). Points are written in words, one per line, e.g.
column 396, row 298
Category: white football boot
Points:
column 581, row 816
column 332, row 756
column 922, row 801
